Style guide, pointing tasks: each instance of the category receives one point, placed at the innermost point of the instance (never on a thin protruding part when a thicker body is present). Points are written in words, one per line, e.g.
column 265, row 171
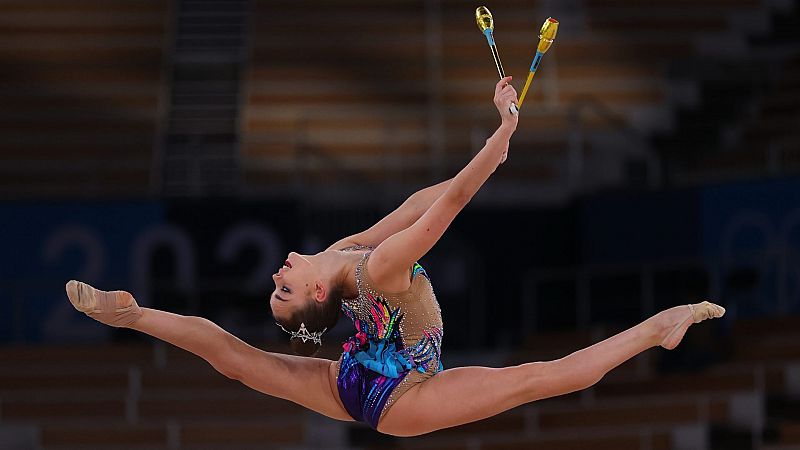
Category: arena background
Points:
column 180, row 149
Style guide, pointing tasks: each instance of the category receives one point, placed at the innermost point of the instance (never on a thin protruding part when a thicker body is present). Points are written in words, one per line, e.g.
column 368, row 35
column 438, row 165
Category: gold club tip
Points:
column 547, row 34
column 484, row 18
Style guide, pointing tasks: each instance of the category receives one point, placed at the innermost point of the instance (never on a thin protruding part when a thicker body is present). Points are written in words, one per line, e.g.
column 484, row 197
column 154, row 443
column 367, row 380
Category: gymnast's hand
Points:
column 504, row 96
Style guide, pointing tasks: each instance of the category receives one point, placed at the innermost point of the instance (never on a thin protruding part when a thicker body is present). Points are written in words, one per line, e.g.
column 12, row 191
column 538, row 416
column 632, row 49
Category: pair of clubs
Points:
column 546, row 37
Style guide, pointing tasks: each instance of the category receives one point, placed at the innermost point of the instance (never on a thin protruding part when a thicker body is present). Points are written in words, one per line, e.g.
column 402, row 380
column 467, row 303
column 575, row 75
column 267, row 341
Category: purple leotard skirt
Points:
column 364, row 392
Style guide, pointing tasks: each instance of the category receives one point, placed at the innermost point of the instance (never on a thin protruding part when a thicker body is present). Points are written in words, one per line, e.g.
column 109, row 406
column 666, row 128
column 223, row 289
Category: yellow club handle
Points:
column 525, row 89
column 546, row 37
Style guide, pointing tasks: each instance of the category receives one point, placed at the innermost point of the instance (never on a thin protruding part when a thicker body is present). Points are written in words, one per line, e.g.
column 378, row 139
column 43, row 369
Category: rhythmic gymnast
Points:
column 389, row 374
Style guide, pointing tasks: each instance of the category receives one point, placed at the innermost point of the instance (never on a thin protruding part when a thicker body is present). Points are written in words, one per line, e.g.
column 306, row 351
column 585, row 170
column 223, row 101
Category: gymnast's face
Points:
column 293, row 286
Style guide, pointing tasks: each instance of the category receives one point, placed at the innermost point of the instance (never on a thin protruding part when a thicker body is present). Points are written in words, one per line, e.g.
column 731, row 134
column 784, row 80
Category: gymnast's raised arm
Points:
column 392, row 259
column 398, row 220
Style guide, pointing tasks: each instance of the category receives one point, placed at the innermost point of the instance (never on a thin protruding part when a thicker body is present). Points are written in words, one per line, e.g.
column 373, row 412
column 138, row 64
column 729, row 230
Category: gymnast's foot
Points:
column 675, row 321
column 116, row 308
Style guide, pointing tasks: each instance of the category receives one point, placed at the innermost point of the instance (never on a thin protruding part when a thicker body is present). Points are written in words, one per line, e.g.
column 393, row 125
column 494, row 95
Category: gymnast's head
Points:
column 306, row 301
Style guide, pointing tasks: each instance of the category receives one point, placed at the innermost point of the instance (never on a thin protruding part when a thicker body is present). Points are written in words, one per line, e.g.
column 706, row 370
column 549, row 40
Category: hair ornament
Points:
column 305, row 335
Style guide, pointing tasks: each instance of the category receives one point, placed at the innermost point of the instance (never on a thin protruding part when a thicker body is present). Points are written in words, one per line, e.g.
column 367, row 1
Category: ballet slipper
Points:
column 698, row 312
column 116, row 308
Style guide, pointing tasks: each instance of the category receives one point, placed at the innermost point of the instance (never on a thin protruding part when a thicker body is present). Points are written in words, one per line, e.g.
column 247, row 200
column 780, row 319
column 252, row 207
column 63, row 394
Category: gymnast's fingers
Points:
column 501, row 84
column 511, row 98
column 507, row 97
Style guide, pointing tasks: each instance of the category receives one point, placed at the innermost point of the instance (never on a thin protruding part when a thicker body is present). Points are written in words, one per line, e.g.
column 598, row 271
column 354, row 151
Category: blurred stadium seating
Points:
column 391, row 103
column 83, row 87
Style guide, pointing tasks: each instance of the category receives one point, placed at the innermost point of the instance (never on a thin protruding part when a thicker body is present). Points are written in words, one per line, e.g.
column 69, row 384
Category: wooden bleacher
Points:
column 353, row 81
column 82, row 87
column 353, row 88
column 772, row 128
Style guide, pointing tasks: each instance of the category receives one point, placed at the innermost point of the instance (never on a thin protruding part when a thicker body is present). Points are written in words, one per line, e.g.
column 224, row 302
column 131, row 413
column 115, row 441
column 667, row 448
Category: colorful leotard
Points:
column 397, row 344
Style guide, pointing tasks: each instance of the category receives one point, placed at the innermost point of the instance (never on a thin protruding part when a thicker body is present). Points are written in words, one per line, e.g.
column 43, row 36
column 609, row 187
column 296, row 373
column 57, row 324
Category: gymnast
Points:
column 389, row 375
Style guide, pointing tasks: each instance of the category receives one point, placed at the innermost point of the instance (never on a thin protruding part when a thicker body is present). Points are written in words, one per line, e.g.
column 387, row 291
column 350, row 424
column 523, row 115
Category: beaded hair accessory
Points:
column 304, row 334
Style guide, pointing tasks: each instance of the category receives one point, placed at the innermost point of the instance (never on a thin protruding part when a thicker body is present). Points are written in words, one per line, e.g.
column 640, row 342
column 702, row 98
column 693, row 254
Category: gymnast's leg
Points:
column 466, row 394
column 305, row 381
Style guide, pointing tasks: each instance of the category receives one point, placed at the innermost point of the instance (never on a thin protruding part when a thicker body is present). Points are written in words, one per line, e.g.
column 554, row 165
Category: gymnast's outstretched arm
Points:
column 404, row 216
column 392, row 258
column 399, row 219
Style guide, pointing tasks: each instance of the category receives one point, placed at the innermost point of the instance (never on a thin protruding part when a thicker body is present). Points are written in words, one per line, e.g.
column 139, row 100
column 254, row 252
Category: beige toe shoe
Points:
column 116, row 308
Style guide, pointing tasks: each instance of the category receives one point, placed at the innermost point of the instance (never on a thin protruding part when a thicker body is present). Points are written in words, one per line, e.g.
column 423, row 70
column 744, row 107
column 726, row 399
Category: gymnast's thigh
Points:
column 309, row 382
column 465, row 394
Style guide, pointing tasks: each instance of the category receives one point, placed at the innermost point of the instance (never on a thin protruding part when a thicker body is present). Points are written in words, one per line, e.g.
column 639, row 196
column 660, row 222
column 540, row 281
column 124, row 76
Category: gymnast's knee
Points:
column 545, row 379
column 573, row 378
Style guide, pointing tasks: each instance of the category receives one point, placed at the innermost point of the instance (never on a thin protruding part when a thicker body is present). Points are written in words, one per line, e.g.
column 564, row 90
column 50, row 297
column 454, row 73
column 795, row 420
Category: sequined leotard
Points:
column 397, row 344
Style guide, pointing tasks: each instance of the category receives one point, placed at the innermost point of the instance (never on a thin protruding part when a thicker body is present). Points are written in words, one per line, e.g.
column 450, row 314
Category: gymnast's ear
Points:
column 321, row 292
